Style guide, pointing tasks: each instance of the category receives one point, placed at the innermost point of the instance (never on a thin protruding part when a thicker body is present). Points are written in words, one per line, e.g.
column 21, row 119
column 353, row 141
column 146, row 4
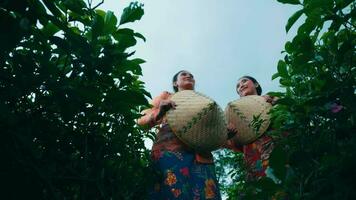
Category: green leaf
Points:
column 282, row 69
column 286, row 101
column 110, row 21
column 40, row 10
column 274, row 76
column 60, row 42
column 97, row 26
column 125, row 38
column 50, row 29
column 75, row 6
column 289, row 47
column 133, row 65
column 295, row 2
column 132, row 13
column 124, row 31
column 310, row 5
column 139, row 35
column 341, row 4
column 306, row 28
column 100, row 12
column 293, row 19
column 138, row 61
column 72, row 16
column 276, row 94
column 285, row 82
column 51, row 5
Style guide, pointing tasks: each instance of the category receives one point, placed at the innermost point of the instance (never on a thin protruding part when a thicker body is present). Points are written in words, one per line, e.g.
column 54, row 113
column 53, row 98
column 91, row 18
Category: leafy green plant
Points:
column 70, row 94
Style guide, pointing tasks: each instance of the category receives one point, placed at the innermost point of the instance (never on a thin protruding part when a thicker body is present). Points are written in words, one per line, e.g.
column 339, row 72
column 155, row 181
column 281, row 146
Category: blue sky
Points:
column 217, row 40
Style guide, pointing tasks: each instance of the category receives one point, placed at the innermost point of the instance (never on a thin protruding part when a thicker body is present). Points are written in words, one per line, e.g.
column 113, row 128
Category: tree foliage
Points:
column 70, row 94
column 314, row 120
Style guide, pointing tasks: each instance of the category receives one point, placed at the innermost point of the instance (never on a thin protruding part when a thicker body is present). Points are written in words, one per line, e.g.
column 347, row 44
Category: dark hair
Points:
column 258, row 88
column 175, row 77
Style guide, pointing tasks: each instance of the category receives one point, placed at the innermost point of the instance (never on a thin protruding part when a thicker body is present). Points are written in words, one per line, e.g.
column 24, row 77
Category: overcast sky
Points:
column 217, row 40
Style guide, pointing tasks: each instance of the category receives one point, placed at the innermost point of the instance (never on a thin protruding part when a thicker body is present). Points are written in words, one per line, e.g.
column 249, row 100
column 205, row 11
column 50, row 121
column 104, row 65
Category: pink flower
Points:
column 335, row 108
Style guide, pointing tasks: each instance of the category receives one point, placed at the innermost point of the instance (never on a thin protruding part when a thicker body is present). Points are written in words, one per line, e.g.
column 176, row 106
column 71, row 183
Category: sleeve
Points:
column 149, row 115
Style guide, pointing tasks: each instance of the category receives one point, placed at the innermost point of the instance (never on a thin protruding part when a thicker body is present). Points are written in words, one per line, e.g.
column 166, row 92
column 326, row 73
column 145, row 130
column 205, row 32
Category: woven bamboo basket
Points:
column 250, row 117
column 197, row 121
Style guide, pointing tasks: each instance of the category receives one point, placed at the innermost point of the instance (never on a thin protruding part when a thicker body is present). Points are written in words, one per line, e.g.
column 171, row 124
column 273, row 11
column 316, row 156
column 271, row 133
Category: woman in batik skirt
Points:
column 182, row 172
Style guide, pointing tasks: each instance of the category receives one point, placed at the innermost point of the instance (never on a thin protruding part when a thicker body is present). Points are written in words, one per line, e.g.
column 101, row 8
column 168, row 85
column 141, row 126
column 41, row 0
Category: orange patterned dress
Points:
column 256, row 155
column 182, row 173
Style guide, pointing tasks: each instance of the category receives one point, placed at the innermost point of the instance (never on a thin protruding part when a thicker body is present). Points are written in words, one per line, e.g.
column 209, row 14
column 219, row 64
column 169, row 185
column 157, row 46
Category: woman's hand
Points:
column 270, row 99
column 164, row 106
column 231, row 131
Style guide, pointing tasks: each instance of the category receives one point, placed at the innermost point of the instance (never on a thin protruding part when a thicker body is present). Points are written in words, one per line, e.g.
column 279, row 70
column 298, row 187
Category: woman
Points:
column 184, row 174
column 256, row 154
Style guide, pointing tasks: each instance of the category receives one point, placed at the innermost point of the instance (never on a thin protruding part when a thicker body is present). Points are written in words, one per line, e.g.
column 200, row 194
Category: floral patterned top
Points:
column 164, row 140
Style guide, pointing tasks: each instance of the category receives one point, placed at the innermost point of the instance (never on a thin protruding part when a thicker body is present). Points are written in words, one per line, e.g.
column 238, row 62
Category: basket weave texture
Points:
column 250, row 117
column 198, row 121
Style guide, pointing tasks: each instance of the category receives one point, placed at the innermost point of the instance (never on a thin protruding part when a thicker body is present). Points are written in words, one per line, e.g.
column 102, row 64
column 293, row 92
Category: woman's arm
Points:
column 148, row 118
column 160, row 105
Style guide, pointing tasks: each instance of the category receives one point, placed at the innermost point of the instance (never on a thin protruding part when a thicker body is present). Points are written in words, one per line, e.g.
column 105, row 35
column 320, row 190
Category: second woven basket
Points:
column 250, row 117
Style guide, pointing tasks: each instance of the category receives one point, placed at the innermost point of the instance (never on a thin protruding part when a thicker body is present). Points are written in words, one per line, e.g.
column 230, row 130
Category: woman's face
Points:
column 185, row 81
column 246, row 87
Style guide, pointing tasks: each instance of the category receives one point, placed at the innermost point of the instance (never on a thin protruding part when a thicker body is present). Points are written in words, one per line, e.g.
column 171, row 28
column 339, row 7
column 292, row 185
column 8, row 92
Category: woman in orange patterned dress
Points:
column 256, row 153
column 184, row 174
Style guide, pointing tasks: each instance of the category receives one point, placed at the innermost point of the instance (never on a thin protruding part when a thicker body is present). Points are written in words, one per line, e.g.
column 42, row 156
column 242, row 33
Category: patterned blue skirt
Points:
column 181, row 177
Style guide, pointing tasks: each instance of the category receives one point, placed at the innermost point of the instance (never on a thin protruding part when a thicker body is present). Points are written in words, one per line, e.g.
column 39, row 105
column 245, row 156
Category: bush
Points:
column 70, row 94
